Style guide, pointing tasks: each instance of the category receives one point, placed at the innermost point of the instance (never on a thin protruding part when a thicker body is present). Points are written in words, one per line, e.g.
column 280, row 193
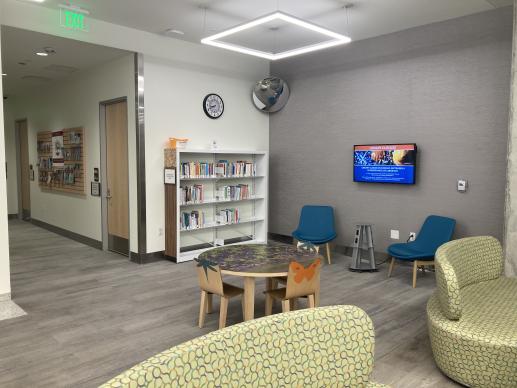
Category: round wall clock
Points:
column 213, row 106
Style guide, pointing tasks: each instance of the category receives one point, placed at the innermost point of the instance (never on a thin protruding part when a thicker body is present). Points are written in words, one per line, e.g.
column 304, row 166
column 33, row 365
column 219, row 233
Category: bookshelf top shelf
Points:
column 215, row 178
column 222, row 152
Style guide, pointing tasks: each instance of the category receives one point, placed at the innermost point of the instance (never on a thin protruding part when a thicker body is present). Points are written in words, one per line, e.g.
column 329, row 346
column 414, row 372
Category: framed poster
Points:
column 58, row 158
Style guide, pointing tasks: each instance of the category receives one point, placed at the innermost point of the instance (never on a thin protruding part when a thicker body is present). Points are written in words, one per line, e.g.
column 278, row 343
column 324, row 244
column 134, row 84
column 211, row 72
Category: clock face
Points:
column 213, row 106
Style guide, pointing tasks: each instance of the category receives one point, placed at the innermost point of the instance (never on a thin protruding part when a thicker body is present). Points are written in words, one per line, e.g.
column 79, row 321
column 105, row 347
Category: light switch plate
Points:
column 395, row 234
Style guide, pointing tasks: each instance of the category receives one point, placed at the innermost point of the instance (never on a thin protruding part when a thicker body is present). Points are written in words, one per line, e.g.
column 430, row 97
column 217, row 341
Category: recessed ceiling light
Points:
column 4, row 74
column 42, row 54
column 37, row 1
column 336, row 39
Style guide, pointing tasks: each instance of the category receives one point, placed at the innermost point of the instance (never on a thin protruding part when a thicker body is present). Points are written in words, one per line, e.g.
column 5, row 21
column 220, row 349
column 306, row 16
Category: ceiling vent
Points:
column 61, row 69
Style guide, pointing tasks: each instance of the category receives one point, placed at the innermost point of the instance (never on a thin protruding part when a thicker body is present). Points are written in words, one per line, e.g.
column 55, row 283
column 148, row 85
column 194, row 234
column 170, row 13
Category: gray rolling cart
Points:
column 363, row 241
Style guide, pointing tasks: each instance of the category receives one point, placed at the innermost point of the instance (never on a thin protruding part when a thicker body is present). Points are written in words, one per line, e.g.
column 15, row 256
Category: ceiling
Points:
column 367, row 18
column 19, row 46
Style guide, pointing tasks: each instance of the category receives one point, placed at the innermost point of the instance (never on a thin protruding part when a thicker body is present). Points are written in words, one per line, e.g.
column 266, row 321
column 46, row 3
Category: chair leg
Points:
column 223, row 312
column 285, row 305
column 415, row 270
column 209, row 299
column 202, row 308
column 311, row 300
column 392, row 264
column 328, row 252
column 293, row 303
column 269, row 305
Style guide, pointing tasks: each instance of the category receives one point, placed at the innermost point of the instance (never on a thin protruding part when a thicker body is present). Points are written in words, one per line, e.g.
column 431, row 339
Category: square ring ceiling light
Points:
column 336, row 39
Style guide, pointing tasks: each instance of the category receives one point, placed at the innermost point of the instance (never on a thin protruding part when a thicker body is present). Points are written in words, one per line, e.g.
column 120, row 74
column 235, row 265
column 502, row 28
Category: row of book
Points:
column 239, row 168
column 228, row 216
column 233, row 193
column 192, row 220
column 192, row 194
column 222, row 168
column 197, row 169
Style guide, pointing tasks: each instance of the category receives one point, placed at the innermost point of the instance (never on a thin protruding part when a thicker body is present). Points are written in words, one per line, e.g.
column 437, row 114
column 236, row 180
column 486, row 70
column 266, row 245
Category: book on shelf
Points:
column 192, row 194
column 222, row 168
column 228, row 216
column 240, row 168
column 233, row 192
column 197, row 169
column 192, row 220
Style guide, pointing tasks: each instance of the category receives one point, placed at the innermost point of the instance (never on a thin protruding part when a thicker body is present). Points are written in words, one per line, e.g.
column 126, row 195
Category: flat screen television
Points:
column 385, row 163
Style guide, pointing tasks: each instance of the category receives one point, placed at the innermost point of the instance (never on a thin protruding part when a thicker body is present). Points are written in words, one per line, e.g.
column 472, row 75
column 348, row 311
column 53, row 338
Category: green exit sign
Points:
column 73, row 20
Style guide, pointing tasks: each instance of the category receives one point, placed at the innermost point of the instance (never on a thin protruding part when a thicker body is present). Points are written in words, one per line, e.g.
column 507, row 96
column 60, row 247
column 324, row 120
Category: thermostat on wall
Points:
column 462, row 185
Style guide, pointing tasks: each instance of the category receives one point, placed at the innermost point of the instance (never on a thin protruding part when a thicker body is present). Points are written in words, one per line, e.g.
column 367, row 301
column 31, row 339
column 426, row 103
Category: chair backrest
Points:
column 316, row 220
column 302, row 281
column 209, row 276
column 460, row 263
column 435, row 231
column 326, row 347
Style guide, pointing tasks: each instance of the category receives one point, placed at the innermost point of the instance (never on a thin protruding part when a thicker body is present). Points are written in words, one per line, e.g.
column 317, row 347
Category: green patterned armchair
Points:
column 324, row 347
column 472, row 317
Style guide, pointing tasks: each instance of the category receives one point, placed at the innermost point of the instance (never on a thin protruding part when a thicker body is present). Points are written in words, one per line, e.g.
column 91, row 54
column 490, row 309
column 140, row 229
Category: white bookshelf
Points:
column 253, row 210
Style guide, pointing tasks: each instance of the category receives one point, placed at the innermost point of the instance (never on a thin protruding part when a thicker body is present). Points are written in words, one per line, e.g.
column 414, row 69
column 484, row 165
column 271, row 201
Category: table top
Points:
column 257, row 260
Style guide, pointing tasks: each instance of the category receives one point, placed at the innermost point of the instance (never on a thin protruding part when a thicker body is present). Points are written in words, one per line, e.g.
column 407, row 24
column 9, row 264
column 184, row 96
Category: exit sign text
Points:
column 73, row 20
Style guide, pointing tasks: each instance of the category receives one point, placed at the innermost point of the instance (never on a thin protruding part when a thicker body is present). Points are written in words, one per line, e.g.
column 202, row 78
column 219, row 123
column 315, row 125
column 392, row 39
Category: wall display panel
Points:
column 61, row 160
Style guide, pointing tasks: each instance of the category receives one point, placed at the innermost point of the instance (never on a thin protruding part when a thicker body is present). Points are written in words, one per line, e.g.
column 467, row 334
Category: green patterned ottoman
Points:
column 472, row 317
column 324, row 347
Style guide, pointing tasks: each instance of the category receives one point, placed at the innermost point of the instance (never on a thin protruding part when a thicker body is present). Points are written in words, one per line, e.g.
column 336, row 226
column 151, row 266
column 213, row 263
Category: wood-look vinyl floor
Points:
column 92, row 314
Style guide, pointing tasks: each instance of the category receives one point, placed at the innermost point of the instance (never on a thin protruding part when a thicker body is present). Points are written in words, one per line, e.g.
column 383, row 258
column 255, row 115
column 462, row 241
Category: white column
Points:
column 510, row 235
column 5, row 284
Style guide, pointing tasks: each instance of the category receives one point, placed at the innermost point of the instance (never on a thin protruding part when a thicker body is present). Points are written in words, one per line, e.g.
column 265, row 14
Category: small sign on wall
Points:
column 169, row 176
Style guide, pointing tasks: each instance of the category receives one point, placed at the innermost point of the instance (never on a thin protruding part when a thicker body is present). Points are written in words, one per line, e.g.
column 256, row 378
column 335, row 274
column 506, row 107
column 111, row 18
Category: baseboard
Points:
column 5, row 297
column 68, row 234
column 146, row 258
column 343, row 249
column 13, row 216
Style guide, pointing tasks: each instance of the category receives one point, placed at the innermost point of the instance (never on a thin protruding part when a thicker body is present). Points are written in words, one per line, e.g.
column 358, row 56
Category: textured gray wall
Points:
column 444, row 86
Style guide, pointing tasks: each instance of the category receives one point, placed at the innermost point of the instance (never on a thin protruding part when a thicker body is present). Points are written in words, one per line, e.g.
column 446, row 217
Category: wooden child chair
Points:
column 301, row 282
column 211, row 282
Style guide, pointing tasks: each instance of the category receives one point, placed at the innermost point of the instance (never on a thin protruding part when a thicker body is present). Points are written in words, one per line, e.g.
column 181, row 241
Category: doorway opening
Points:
column 24, row 170
column 115, row 175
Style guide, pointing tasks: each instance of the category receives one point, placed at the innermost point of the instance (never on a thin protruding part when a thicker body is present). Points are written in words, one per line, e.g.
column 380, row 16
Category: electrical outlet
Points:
column 395, row 234
column 412, row 236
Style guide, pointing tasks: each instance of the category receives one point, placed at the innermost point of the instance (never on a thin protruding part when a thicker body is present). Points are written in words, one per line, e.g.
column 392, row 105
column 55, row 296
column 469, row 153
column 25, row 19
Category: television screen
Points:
column 385, row 163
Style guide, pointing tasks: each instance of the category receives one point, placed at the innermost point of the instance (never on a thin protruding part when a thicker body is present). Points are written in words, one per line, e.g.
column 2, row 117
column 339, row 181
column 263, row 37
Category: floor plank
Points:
column 93, row 314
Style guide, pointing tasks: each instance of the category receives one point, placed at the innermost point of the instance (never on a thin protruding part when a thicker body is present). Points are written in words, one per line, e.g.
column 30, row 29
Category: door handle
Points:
column 108, row 194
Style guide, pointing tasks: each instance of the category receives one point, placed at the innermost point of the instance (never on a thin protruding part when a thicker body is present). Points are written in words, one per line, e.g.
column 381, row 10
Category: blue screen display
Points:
column 385, row 163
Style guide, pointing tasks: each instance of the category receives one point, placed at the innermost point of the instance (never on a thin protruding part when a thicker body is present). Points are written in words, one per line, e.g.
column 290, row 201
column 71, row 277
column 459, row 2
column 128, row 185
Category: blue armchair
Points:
column 316, row 226
column 435, row 231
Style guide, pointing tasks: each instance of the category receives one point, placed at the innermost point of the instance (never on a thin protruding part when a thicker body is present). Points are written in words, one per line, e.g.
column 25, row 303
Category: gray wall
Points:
column 444, row 86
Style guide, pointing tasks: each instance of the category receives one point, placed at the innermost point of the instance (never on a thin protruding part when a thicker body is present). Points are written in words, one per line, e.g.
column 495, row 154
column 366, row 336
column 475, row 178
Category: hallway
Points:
column 93, row 314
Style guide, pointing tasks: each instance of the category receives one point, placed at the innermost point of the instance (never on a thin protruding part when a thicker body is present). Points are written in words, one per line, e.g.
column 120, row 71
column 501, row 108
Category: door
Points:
column 117, row 186
column 24, row 170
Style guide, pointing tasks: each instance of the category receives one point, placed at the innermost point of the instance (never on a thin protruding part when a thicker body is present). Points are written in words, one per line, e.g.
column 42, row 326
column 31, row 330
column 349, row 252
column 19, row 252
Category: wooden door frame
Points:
column 104, row 171
column 19, row 165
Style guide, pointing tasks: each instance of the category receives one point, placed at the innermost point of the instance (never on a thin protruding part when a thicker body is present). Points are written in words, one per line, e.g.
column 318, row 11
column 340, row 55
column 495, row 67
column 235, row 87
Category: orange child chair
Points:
column 301, row 282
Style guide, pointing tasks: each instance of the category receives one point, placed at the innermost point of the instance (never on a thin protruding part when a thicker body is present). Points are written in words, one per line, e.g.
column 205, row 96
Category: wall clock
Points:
column 213, row 106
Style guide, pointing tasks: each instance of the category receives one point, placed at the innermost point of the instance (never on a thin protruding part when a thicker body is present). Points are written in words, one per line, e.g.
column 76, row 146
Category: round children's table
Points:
column 252, row 261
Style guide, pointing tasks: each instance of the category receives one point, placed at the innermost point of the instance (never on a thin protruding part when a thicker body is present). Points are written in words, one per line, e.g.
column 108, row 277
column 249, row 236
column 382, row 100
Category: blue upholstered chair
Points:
column 435, row 231
column 316, row 226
